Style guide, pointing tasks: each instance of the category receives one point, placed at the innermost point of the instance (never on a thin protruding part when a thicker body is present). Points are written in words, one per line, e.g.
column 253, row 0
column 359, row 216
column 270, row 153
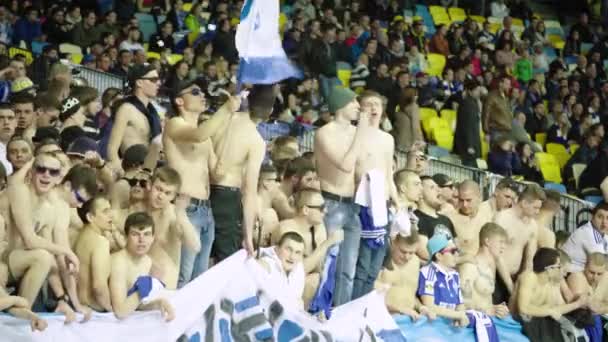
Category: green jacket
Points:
column 524, row 70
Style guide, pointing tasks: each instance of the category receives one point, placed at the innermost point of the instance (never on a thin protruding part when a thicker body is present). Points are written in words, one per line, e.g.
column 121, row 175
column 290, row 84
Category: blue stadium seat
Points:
column 556, row 187
column 594, row 199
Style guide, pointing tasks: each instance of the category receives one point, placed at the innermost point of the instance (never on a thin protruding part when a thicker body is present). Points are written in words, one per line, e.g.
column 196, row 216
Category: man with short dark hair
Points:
column 174, row 231
column 189, row 150
column 234, row 185
column 93, row 251
column 136, row 120
column 8, row 124
column 591, row 237
column 522, row 232
column 284, row 263
column 23, row 106
column 431, row 222
column 131, row 267
column 538, row 300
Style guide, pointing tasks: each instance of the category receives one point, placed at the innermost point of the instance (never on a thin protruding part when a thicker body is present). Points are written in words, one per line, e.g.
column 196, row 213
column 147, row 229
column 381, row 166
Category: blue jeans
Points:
column 369, row 264
column 345, row 216
column 193, row 264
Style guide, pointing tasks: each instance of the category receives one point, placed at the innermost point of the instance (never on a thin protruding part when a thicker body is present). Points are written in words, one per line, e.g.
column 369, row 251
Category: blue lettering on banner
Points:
column 289, row 330
column 246, row 9
column 265, row 334
column 225, row 330
column 247, row 304
column 195, row 338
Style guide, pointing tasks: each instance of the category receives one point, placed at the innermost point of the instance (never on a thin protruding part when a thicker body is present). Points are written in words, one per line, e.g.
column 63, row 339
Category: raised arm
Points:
column 314, row 260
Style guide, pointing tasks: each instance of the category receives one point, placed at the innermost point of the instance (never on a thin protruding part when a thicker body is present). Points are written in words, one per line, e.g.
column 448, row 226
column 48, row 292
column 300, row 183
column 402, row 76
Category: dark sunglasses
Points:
column 43, row 169
column 141, row 182
column 193, row 92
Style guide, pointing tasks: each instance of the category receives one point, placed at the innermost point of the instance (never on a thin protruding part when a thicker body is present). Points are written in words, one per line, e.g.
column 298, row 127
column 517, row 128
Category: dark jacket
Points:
column 467, row 134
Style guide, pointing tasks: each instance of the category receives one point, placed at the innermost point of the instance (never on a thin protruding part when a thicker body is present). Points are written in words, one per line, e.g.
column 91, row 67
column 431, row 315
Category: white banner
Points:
column 232, row 300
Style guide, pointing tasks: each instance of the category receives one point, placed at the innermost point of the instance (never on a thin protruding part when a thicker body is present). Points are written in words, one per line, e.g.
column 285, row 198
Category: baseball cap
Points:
column 81, row 145
column 436, row 244
column 43, row 133
column 183, row 85
column 22, row 84
column 69, row 107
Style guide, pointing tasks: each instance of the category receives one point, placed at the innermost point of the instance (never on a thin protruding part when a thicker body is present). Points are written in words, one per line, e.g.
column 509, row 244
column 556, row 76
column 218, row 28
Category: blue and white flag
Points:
column 262, row 58
column 233, row 301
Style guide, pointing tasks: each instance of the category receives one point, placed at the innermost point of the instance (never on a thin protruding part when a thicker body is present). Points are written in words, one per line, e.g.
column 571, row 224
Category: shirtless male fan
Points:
column 189, row 150
column 131, row 265
column 240, row 150
column 336, row 150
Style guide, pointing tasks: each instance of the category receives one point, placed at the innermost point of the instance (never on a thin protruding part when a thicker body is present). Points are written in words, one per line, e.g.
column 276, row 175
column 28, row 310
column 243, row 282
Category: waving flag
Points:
column 262, row 58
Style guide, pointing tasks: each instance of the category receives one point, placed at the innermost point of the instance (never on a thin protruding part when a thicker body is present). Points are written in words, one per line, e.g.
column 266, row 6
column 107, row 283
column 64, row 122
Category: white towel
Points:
column 371, row 194
column 403, row 222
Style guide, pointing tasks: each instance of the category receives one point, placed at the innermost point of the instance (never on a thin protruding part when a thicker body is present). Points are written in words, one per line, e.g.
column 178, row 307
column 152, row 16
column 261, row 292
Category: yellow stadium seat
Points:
column 344, row 77
column 573, row 148
column 441, row 18
column 557, row 41
column 478, row 19
column 69, row 48
column 282, row 21
column 76, row 58
column 174, row 58
column 541, row 138
column 457, row 14
column 560, row 153
column 517, row 22
column 494, row 28
column 450, row 116
column 437, row 10
column 151, row 54
column 443, row 137
column 485, row 149
column 427, row 113
column 549, row 167
column 428, row 124
column 436, row 64
column 187, row 6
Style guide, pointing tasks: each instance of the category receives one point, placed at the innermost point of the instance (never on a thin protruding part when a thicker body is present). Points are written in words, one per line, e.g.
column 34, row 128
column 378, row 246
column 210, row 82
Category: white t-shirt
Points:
column 584, row 241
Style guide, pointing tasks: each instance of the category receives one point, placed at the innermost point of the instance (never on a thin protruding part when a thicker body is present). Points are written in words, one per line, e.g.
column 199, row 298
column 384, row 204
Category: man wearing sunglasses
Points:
column 538, row 302
column 136, row 120
column 308, row 223
column 39, row 249
column 188, row 149
column 439, row 282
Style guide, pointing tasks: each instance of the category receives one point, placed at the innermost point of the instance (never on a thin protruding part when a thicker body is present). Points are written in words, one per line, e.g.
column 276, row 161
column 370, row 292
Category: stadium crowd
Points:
column 106, row 193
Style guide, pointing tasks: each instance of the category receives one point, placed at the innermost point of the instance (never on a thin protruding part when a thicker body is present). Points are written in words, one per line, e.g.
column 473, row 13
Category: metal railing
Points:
column 99, row 79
